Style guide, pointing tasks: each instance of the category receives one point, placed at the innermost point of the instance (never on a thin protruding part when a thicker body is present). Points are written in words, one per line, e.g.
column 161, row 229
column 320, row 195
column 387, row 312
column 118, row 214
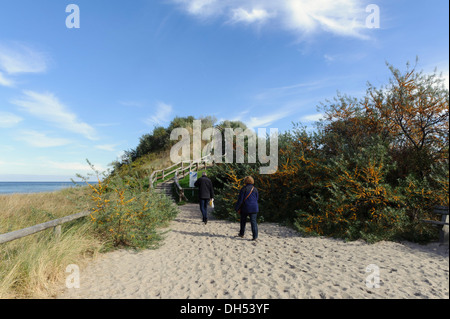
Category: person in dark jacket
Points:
column 205, row 194
column 248, row 205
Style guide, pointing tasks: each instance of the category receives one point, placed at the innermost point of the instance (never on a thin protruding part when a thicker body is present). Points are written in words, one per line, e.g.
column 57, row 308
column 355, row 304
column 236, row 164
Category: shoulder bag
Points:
column 239, row 210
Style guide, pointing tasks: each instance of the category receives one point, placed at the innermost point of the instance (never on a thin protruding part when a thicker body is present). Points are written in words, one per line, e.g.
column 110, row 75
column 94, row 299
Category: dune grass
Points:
column 34, row 266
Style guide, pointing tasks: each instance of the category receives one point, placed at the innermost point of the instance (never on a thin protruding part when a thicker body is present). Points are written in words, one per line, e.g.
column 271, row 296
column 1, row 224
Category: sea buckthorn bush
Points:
column 128, row 214
column 373, row 168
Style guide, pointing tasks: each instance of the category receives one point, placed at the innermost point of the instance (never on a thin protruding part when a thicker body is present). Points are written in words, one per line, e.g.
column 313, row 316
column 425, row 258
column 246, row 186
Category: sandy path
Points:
column 198, row 261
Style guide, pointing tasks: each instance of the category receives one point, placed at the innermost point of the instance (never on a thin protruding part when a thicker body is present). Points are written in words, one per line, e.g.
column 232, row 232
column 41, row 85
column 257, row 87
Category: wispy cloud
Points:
column 329, row 57
column 266, row 120
column 255, row 15
column 132, row 103
column 446, row 80
column 107, row 147
column 290, row 90
column 47, row 107
column 289, row 100
column 344, row 57
column 74, row 166
column 312, row 117
column 18, row 58
column 5, row 81
column 200, row 7
column 8, row 120
column 41, row 140
column 441, row 68
column 162, row 114
column 239, row 116
column 303, row 17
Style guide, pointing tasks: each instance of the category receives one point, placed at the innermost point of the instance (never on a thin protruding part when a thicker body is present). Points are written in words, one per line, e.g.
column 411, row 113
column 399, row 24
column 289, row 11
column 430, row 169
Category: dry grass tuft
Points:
column 34, row 266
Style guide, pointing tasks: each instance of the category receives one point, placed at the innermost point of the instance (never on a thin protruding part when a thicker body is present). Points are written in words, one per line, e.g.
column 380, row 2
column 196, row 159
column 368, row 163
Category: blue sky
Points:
column 92, row 92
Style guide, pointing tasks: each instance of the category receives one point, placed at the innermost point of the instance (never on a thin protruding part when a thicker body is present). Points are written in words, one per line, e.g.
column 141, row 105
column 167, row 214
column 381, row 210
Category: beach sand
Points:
column 208, row 261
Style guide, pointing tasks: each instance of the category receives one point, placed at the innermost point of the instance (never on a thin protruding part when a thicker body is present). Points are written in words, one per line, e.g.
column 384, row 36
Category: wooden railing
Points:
column 55, row 224
column 443, row 224
column 180, row 168
column 179, row 189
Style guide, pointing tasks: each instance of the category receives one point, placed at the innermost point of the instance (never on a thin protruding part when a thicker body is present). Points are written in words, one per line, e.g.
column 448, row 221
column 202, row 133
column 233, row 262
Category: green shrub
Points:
column 126, row 213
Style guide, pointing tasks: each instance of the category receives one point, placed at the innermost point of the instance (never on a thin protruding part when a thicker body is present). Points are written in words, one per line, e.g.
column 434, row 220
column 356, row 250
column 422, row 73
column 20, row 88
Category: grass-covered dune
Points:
column 125, row 214
column 34, row 266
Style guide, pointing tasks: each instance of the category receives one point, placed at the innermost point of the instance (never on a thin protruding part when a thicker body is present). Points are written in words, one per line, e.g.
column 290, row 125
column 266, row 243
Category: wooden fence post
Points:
column 57, row 231
column 55, row 224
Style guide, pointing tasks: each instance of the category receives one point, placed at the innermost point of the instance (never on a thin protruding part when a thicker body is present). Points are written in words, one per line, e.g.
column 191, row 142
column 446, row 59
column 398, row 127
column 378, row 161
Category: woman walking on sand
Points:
column 247, row 205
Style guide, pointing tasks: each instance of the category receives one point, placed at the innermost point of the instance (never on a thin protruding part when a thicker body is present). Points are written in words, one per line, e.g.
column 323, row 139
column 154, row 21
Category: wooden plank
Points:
column 435, row 222
column 4, row 238
column 184, row 169
column 179, row 189
column 170, row 173
column 167, row 168
column 441, row 210
column 204, row 160
column 444, row 234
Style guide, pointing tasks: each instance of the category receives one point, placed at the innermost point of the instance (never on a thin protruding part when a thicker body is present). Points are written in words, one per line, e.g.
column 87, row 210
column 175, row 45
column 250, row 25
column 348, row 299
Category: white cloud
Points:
column 5, row 81
column 131, row 103
column 38, row 139
column 443, row 72
column 238, row 117
column 344, row 57
column 290, row 90
column 48, row 108
column 9, row 120
column 440, row 69
column 162, row 114
column 341, row 17
column 266, row 120
column 74, row 166
column 200, row 7
column 304, row 17
column 329, row 58
column 107, row 147
column 256, row 15
column 312, row 117
column 19, row 58
column 120, row 155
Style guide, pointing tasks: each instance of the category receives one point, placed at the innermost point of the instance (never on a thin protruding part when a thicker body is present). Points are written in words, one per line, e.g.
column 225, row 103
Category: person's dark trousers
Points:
column 204, row 208
column 252, row 223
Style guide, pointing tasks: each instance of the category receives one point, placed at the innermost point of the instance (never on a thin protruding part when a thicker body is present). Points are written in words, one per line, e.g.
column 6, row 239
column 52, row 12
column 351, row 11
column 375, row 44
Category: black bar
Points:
column 233, row 308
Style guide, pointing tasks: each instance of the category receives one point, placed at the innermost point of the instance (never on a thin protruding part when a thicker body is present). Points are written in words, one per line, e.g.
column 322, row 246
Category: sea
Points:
column 34, row 187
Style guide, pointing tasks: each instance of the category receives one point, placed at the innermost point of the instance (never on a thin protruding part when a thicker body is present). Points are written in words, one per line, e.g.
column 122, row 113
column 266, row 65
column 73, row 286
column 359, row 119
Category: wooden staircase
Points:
column 170, row 175
column 165, row 188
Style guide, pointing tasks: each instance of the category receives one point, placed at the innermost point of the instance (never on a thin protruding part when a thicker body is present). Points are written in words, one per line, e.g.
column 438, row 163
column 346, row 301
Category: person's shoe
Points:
column 239, row 235
column 255, row 240
column 206, row 221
